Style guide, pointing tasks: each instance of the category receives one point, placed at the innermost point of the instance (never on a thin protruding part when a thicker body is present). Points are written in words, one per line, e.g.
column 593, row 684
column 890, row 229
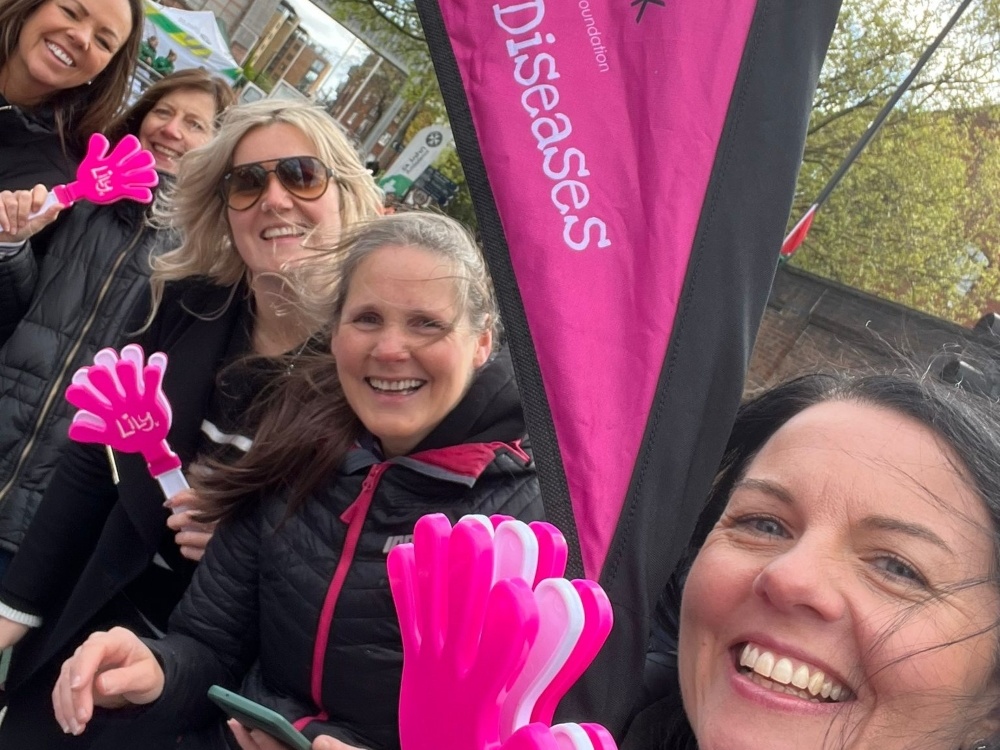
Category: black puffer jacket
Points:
column 307, row 603
column 30, row 149
column 60, row 308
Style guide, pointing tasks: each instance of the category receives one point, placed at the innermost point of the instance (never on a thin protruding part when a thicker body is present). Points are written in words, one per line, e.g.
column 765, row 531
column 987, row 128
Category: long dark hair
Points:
column 306, row 424
column 131, row 120
column 85, row 109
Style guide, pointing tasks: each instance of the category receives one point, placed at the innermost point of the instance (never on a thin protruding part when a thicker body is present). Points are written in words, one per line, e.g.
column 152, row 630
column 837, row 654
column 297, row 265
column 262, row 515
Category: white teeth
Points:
column 60, row 53
column 169, row 152
column 783, row 675
column 764, row 665
column 782, row 671
column 816, row 682
column 273, row 232
column 394, row 385
column 801, row 677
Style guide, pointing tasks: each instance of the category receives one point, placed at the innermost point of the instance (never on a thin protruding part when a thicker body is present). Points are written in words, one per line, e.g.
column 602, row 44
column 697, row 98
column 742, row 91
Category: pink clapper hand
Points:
column 127, row 172
column 538, row 736
column 122, row 405
column 464, row 637
column 598, row 619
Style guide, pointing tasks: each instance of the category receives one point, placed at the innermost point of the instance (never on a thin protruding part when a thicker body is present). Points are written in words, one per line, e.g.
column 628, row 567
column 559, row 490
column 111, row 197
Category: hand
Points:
column 17, row 207
column 464, row 637
column 258, row 740
column 111, row 670
column 11, row 632
column 191, row 535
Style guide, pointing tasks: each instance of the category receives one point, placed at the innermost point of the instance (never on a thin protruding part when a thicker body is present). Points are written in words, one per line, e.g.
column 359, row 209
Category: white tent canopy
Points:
column 195, row 37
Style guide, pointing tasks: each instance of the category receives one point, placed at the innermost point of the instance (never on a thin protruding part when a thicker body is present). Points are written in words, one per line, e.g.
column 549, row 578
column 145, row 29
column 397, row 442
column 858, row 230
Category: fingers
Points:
column 325, row 742
column 469, row 576
column 17, row 209
column 109, row 669
column 243, row 738
column 192, row 535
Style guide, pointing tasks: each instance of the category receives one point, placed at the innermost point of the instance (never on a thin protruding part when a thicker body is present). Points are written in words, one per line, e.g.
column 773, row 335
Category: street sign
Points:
column 419, row 154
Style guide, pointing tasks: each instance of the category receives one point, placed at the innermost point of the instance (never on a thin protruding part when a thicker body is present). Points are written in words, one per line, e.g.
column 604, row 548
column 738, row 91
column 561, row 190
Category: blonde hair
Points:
column 195, row 208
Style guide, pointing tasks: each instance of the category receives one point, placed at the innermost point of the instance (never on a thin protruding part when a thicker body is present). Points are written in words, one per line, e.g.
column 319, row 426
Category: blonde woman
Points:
column 248, row 206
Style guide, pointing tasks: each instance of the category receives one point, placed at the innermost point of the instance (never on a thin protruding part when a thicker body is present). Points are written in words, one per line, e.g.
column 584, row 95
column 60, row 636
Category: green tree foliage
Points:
column 915, row 219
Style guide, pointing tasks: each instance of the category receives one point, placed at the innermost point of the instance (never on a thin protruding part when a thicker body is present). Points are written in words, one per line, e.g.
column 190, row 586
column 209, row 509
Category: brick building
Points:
column 813, row 323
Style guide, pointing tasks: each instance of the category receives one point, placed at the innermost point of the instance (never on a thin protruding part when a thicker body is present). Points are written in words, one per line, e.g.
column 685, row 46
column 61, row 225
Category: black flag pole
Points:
column 802, row 226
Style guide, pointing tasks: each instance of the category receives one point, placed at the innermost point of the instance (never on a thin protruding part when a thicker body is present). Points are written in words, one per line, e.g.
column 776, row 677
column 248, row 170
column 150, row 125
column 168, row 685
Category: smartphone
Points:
column 255, row 716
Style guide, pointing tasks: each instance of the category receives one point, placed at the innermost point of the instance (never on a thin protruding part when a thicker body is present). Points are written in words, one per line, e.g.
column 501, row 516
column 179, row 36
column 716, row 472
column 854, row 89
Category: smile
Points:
column 61, row 54
column 402, row 387
column 273, row 233
column 167, row 152
column 786, row 675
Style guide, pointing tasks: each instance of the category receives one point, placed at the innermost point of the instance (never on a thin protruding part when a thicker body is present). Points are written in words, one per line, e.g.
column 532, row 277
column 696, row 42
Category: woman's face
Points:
column 180, row 121
column 843, row 600
column 272, row 231
column 67, row 43
column 405, row 352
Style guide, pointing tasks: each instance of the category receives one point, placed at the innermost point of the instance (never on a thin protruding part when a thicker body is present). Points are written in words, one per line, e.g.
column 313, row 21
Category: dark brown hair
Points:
column 85, row 109
column 131, row 120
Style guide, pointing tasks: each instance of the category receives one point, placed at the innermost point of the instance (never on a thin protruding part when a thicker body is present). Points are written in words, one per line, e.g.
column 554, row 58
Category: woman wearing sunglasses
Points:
column 248, row 206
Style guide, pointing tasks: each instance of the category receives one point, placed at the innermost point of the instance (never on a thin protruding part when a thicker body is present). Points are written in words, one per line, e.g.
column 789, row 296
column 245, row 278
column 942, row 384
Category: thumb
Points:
column 328, row 743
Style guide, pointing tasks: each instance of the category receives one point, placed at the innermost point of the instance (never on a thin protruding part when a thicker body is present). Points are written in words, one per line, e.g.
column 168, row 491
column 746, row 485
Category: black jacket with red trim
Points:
column 298, row 615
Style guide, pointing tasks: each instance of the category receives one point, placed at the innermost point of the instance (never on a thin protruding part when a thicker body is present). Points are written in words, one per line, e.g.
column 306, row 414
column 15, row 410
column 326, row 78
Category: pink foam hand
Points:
column 560, row 626
column 515, row 550
column 129, row 171
column 464, row 638
column 600, row 738
column 538, row 736
column 598, row 619
column 122, row 405
column 531, row 737
column 552, row 551
column 549, row 551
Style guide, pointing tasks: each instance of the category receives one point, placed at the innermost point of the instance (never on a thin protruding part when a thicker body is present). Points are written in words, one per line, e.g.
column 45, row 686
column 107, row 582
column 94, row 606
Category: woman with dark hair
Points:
column 64, row 302
column 415, row 413
column 844, row 591
column 65, row 69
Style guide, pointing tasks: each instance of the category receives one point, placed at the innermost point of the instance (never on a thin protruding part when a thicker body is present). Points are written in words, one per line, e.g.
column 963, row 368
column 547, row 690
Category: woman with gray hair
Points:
column 414, row 413
column 100, row 551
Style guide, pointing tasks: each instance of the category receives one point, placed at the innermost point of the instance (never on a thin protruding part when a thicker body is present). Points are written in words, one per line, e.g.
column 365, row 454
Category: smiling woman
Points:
column 65, row 67
column 847, row 597
column 411, row 416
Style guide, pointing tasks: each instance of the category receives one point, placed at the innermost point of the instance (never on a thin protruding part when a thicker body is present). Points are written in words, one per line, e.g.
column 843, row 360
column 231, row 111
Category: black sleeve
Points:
column 18, row 277
column 63, row 533
column 214, row 631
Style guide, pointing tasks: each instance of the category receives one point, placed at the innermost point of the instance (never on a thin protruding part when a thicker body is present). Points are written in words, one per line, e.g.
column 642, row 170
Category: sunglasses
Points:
column 305, row 177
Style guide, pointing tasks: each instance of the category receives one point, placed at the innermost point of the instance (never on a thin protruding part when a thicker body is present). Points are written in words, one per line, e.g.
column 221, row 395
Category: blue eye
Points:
column 895, row 568
column 763, row 526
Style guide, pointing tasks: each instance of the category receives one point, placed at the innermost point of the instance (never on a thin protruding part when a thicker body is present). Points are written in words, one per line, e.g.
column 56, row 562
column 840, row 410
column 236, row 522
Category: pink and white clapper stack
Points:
column 493, row 636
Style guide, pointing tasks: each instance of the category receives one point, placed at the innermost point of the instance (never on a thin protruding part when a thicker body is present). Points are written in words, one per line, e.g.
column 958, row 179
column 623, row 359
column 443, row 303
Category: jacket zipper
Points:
column 57, row 385
column 354, row 517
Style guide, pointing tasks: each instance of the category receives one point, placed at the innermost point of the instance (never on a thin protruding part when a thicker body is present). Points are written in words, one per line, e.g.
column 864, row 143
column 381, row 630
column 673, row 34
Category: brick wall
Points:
column 811, row 323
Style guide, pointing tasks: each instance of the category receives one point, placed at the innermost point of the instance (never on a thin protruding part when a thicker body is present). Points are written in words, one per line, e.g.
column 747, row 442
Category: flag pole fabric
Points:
column 632, row 165
column 798, row 234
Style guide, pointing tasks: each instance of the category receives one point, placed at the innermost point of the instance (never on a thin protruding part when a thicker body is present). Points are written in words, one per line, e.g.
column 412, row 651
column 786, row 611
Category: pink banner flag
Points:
column 632, row 163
